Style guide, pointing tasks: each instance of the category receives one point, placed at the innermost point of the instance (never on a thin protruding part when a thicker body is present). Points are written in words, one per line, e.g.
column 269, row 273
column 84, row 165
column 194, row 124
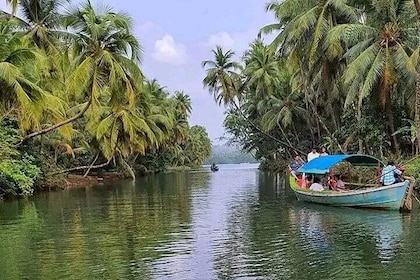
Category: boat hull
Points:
column 385, row 197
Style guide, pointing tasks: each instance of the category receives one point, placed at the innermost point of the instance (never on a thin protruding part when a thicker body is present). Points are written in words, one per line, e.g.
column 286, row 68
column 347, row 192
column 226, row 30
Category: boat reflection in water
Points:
column 338, row 233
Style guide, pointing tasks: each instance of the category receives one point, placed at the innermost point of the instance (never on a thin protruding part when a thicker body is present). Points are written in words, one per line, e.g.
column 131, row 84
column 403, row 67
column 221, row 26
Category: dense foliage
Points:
column 73, row 98
column 339, row 73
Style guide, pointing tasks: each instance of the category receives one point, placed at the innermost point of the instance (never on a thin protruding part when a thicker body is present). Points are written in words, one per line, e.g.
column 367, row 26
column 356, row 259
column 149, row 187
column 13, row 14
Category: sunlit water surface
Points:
column 237, row 223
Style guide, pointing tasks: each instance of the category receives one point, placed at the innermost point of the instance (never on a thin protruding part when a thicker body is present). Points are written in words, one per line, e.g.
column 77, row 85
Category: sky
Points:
column 177, row 35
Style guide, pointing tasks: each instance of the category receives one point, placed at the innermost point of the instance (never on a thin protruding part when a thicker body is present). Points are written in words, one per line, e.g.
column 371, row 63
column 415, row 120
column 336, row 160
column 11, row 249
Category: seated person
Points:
column 339, row 183
column 316, row 186
column 389, row 174
column 307, row 182
column 295, row 165
column 336, row 184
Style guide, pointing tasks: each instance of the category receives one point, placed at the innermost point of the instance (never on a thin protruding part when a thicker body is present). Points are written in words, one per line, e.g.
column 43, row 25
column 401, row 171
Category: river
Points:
column 237, row 223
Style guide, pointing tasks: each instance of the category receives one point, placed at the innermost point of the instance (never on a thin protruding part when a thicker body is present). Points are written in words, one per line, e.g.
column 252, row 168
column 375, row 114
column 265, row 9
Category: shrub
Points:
column 413, row 168
column 18, row 176
column 18, row 171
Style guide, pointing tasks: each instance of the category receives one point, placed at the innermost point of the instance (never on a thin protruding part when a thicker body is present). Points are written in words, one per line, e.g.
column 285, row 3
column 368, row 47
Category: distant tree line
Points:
column 236, row 156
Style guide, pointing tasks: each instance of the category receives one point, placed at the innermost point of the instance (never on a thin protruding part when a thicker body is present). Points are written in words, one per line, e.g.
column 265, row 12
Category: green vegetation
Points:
column 339, row 74
column 73, row 98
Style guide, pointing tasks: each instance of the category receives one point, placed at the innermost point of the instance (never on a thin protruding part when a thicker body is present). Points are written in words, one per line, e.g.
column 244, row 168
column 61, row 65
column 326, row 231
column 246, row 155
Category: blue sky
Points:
column 177, row 35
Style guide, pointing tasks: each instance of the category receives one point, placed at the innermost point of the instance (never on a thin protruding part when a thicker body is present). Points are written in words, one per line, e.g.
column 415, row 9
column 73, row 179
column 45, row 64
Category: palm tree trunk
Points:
column 392, row 128
column 417, row 105
column 348, row 141
column 417, row 109
column 359, row 119
column 324, row 126
column 82, row 168
column 53, row 127
column 334, row 118
column 296, row 133
column 285, row 137
column 128, row 167
column 91, row 165
column 417, row 5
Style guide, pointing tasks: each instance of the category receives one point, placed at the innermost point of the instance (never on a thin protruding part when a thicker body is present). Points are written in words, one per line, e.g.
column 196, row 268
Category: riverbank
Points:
column 73, row 181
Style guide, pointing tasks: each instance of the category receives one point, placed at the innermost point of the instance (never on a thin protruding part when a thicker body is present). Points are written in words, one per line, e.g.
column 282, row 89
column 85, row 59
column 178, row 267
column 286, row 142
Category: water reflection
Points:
column 327, row 229
column 311, row 230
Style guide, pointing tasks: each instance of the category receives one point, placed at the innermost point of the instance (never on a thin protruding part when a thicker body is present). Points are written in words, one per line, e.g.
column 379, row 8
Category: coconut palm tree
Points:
column 283, row 111
column 40, row 20
column 107, row 57
column 198, row 146
column 302, row 28
column 124, row 133
column 227, row 86
column 262, row 69
column 378, row 53
column 156, row 108
column 19, row 93
column 221, row 79
column 182, row 103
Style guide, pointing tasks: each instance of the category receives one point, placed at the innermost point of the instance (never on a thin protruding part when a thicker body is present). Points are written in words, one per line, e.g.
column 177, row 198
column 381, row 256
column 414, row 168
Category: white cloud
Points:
column 221, row 39
column 168, row 51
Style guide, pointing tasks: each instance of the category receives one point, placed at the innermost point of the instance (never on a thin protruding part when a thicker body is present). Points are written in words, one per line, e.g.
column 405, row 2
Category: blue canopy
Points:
column 321, row 165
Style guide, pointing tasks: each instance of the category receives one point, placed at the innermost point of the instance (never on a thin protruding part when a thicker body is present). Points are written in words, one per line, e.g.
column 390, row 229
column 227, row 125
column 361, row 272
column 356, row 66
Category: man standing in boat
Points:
column 389, row 173
column 313, row 154
column 295, row 165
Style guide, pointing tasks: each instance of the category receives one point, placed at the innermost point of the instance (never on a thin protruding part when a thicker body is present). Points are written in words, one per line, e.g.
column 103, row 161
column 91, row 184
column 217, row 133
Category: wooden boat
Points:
column 371, row 196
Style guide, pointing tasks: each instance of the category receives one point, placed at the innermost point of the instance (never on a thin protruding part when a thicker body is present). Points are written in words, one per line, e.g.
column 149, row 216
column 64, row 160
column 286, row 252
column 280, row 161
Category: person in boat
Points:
column 390, row 174
column 295, row 165
column 336, row 184
column 214, row 166
column 316, row 185
column 323, row 152
column 307, row 182
column 313, row 154
column 339, row 183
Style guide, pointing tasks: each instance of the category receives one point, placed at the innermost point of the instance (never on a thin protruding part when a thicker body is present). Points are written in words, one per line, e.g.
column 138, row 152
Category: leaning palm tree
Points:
column 123, row 133
column 107, row 57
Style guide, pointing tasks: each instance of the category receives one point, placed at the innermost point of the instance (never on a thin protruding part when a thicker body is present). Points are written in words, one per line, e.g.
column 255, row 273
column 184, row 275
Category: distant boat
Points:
column 214, row 168
column 368, row 195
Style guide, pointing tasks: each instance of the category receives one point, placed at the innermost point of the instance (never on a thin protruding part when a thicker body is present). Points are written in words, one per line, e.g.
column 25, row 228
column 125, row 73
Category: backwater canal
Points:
column 237, row 223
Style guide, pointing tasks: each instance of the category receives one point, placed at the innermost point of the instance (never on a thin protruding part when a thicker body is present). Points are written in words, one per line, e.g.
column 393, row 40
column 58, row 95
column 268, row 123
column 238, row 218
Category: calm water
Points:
column 237, row 223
